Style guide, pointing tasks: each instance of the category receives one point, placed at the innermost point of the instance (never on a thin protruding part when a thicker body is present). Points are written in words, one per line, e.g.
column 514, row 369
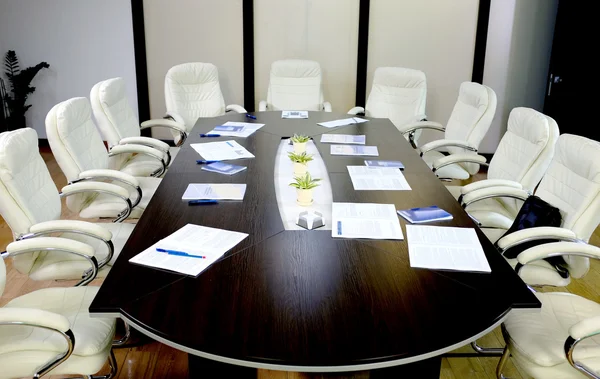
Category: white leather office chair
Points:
column 469, row 122
column 295, row 84
column 192, row 90
column 51, row 331
column 81, row 155
column 119, row 125
column 31, row 206
column 572, row 184
column 560, row 342
column 520, row 161
column 399, row 94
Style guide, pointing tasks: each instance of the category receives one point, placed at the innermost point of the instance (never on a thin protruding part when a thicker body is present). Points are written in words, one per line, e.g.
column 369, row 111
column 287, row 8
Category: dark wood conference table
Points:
column 302, row 300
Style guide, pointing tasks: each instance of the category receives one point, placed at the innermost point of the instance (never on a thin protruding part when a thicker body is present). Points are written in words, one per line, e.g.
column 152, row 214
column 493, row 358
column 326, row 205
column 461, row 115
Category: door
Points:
column 571, row 95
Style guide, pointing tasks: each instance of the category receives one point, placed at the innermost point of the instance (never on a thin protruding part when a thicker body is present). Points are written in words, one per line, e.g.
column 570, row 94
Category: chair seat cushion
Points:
column 453, row 171
column 110, row 206
column 141, row 165
column 537, row 339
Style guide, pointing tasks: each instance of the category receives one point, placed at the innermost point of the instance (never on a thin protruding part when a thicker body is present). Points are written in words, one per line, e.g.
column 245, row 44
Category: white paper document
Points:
column 342, row 122
column 207, row 191
column 343, row 138
column 236, row 129
column 190, row 250
column 365, row 220
column 221, row 151
column 354, row 150
column 377, row 178
column 445, row 248
column 294, row 114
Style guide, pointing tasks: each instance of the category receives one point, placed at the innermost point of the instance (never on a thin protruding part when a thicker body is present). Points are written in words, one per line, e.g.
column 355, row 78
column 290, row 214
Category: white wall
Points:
column 325, row 31
column 181, row 31
column 436, row 37
column 83, row 41
column 517, row 58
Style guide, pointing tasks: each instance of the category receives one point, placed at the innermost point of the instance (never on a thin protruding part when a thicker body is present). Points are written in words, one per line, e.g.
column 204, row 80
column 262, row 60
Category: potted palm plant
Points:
column 299, row 142
column 304, row 186
column 300, row 162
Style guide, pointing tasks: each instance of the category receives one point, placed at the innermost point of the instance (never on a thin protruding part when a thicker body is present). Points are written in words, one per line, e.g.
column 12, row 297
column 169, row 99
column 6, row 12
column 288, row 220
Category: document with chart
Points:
column 354, row 150
column 445, row 248
column 221, row 151
column 365, row 220
column 236, row 129
column 377, row 178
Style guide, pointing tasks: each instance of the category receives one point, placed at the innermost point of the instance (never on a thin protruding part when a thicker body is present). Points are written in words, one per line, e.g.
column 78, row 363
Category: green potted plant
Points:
column 13, row 103
column 304, row 186
column 299, row 142
column 300, row 162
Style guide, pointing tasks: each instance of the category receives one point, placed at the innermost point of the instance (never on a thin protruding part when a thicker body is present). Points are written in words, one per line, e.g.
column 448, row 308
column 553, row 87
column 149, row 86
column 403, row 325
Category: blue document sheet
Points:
column 427, row 214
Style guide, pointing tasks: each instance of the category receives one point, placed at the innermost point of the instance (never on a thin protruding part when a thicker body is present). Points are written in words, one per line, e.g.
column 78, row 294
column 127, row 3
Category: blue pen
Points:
column 202, row 202
column 209, row 135
column 250, row 116
column 206, row 162
column 179, row 253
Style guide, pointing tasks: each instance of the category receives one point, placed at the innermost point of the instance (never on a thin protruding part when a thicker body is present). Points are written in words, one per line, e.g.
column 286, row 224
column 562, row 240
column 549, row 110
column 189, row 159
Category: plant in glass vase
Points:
column 304, row 186
column 300, row 162
column 299, row 142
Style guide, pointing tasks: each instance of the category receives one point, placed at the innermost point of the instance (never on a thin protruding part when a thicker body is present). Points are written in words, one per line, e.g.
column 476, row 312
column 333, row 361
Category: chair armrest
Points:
column 77, row 227
column 173, row 116
column 100, row 187
column 144, row 150
column 585, row 328
column 235, row 108
column 262, row 106
column 327, row 106
column 356, row 110
column 438, row 144
column 164, row 123
column 146, row 141
column 51, row 244
column 555, row 249
column 533, row 234
column 491, row 192
column 35, row 317
column 489, row 183
column 422, row 125
column 113, row 175
column 457, row 158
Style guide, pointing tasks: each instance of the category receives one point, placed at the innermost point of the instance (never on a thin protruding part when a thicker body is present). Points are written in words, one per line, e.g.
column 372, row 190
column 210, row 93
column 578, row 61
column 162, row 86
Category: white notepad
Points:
column 221, row 151
column 208, row 191
column 445, row 248
column 342, row 122
column 343, row 138
column 203, row 246
column 378, row 178
column 365, row 220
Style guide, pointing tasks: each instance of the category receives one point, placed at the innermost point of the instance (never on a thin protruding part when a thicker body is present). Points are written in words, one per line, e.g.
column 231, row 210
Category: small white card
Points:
column 294, row 114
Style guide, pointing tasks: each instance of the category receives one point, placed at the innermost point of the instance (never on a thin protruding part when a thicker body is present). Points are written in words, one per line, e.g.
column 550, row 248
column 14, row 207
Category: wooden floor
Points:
column 153, row 360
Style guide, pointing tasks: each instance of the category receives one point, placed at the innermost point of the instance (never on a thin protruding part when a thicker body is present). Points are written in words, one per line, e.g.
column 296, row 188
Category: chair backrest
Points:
column 471, row 118
column 192, row 90
column 525, row 151
column 28, row 194
column 397, row 93
column 295, row 84
column 572, row 184
column 75, row 143
column 114, row 116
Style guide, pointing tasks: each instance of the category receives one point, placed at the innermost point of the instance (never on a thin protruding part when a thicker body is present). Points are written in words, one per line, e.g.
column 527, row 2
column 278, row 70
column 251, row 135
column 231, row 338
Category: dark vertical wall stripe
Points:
column 141, row 68
column 483, row 20
column 248, row 39
column 363, row 52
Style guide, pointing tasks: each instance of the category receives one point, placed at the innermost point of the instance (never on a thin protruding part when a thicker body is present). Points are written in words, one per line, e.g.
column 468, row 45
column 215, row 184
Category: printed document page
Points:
column 378, row 178
column 343, row 138
column 445, row 248
column 236, row 129
column 365, row 220
column 354, row 150
column 342, row 122
column 221, row 151
column 190, row 250
column 208, row 191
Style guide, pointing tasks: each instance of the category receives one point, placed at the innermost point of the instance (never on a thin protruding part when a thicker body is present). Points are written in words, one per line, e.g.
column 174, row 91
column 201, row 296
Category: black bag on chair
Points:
column 536, row 212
